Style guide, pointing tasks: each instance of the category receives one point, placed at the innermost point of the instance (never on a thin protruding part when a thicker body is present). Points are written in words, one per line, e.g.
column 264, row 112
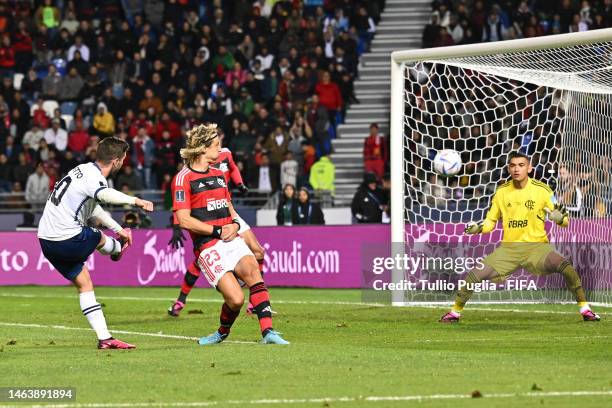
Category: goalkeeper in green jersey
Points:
column 522, row 203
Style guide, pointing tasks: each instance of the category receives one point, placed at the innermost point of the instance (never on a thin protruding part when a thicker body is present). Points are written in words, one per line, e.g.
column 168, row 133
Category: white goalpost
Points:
column 550, row 97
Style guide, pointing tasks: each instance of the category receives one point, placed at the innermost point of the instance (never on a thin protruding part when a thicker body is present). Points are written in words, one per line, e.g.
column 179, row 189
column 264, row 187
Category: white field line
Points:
column 440, row 305
column 180, row 337
column 60, row 327
column 292, row 401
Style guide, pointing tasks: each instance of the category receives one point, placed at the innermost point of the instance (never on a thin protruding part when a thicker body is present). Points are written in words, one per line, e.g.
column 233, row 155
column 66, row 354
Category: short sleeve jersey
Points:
column 207, row 196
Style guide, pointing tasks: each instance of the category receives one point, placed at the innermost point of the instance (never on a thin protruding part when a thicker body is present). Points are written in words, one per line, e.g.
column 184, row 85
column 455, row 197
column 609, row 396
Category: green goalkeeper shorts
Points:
column 510, row 256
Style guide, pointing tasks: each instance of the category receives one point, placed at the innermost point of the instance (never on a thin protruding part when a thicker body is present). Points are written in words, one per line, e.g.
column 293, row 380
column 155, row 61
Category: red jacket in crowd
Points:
column 329, row 95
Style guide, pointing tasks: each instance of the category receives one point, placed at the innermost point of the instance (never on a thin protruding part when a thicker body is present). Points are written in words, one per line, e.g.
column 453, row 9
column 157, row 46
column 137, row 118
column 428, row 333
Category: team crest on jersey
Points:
column 530, row 204
column 223, row 167
column 179, row 196
column 221, row 181
column 218, row 269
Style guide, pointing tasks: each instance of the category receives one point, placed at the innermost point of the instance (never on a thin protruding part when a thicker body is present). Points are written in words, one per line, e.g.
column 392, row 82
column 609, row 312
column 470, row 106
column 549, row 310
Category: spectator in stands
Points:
column 375, row 152
column 22, row 169
column 70, row 87
column 51, row 83
column 103, row 122
column 288, row 170
column 143, row 156
column 56, row 136
column 307, row 212
column 430, row 34
column 48, row 15
column 37, row 188
column 368, row 202
column 265, row 182
column 16, row 199
column 323, row 175
column 6, row 173
column 78, row 140
column 286, row 212
column 276, row 145
column 130, row 179
column 330, row 97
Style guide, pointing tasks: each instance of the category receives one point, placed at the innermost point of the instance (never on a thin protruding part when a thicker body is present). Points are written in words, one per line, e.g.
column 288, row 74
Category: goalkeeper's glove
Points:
column 474, row 228
column 558, row 213
column 176, row 241
column 243, row 189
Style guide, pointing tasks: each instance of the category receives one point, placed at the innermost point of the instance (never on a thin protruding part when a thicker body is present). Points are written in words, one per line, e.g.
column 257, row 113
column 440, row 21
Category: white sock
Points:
column 93, row 311
column 111, row 246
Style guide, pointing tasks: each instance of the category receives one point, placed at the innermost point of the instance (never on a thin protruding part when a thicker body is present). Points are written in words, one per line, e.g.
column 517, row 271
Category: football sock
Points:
column 464, row 294
column 227, row 318
column 188, row 283
column 572, row 280
column 260, row 299
column 93, row 311
column 111, row 247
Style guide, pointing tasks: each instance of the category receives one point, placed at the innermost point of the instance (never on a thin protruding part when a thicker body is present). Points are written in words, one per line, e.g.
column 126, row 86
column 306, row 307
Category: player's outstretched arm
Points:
column 107, row 220
column 112, row 196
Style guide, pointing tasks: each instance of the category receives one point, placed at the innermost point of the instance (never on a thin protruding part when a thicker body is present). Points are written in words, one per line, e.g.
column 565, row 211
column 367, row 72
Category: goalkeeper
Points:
column 522, row 203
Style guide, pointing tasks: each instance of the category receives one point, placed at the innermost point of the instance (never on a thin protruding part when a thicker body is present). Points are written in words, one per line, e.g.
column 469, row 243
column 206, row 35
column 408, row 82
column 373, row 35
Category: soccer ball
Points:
column 447, row 162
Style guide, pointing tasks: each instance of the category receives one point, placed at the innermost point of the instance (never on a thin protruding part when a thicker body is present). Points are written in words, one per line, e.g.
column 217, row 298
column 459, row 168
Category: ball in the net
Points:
column 447, row 162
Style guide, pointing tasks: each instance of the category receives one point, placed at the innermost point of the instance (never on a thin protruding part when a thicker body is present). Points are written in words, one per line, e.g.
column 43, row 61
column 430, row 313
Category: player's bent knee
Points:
column 235, row 301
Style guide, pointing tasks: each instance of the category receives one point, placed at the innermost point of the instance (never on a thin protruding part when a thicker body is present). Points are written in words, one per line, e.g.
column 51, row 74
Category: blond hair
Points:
column 198, row 139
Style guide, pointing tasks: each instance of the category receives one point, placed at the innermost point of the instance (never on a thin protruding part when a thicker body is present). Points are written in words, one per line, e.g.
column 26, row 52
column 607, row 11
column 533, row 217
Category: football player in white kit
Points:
column 67, row 241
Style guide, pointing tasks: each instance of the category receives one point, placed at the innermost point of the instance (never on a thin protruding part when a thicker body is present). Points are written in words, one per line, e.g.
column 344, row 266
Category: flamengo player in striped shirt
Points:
column 226, row 164
column 203, row 206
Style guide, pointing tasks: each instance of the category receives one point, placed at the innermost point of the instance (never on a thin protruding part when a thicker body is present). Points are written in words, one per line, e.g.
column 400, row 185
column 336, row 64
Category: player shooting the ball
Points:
column 203, row 206
column 522, row 203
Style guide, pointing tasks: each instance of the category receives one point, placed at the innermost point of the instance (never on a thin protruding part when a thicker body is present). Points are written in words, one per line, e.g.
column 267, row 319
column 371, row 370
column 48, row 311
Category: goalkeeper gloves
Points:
column 177, row 237
column 473, row 228
column 558, row 213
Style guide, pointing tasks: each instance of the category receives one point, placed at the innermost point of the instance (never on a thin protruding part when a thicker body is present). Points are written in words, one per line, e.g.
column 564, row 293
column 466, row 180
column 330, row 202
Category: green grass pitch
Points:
column 343, row 353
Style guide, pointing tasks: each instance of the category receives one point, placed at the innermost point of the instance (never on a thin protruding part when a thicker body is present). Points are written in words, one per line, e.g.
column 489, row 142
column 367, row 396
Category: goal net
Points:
column 549, row 97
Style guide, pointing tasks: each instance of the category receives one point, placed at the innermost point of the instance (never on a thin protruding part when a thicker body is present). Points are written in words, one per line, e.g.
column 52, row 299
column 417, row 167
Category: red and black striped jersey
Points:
column 206, row 195
column 226, row 164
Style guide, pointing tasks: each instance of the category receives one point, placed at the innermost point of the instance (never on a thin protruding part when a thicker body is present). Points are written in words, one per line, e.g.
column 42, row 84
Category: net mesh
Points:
column 556, row 106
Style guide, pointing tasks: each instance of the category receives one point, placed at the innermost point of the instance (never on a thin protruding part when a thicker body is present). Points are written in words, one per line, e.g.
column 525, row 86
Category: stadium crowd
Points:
column 467, row 22
column 277, row 76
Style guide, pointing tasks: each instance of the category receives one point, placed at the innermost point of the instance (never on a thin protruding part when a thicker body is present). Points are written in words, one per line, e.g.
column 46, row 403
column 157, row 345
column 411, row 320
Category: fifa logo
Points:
column 530, row 204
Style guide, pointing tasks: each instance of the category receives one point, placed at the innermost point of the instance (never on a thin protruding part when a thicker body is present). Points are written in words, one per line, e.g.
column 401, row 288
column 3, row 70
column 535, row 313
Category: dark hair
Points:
column 514, row 155
column 111, row 148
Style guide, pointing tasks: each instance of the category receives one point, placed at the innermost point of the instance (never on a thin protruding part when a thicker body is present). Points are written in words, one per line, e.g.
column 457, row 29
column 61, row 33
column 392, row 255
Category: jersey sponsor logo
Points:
column 530, row 204
column 201, row 185
column 517, row 223
column 212, row 204
column 179, row 196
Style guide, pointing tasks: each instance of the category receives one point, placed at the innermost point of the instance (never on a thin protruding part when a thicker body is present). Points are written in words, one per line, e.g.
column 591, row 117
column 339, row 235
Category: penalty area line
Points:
column 162, row 335
column 293, row 401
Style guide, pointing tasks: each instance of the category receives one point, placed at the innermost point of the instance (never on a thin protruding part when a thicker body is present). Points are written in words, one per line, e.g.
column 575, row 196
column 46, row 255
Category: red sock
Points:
column 260, row 299
column 227, row 318
column 191, row 276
